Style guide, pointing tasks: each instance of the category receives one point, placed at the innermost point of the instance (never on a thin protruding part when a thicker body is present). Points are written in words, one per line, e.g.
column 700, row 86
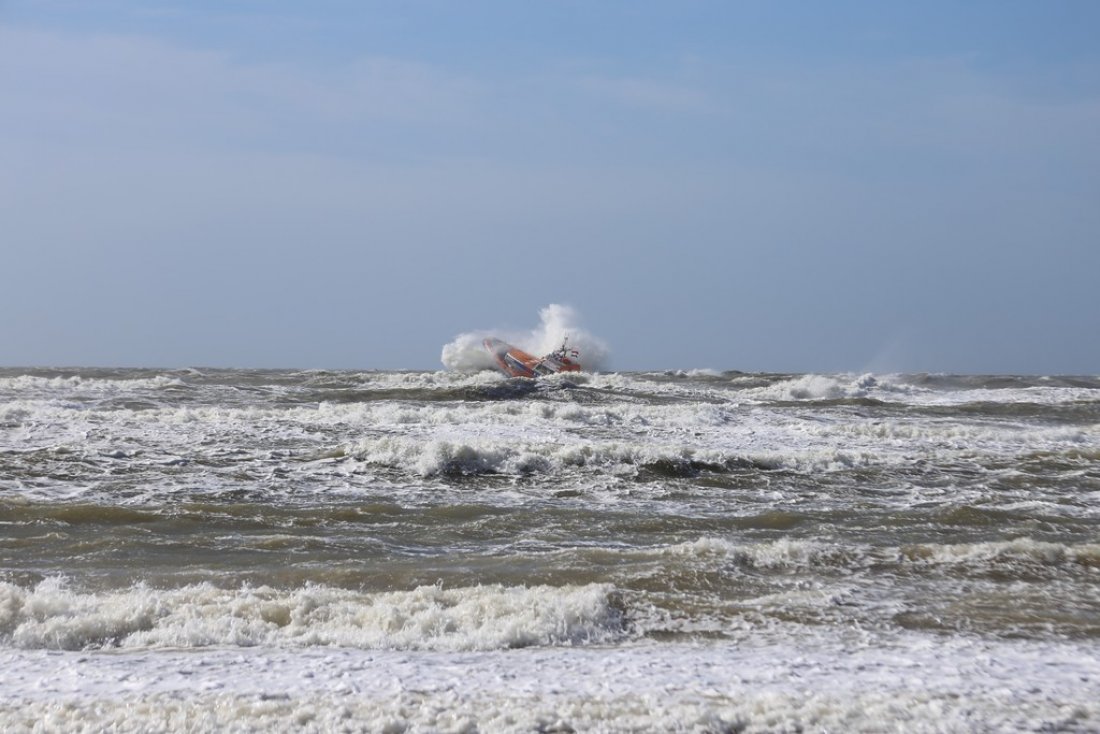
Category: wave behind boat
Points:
column 558, row 324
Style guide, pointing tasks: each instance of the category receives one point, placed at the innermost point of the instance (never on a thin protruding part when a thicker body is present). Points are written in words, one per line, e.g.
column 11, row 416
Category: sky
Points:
column 760, row 186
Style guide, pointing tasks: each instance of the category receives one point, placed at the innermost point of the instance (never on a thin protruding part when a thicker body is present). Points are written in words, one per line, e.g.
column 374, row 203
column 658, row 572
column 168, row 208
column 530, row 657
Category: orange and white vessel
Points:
column 515, row 362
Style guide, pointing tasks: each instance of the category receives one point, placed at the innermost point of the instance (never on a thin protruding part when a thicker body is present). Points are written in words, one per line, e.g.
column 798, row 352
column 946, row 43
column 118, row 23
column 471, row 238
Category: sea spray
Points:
column 557, row 323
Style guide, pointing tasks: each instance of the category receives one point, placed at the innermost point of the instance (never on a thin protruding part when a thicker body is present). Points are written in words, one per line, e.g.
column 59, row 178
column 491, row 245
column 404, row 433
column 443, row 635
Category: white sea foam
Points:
column 1038, row 395
column 781, row 553
column 557, row 323
column 465, row 356
column 54, row 616
column 489, row 438
column 516, row 437
column 465, row 353
column 510, row 456
column 901, row 389
column 794, row 554
column 907, row 683
column 1017, row 550
column 346, row 440
column 33, row 384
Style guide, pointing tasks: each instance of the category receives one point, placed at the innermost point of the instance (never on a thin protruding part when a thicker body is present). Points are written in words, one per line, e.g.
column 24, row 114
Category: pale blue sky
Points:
column 759, row 186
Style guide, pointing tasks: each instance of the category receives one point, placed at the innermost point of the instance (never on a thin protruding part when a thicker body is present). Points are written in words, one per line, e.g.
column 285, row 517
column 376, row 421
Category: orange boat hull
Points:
column 515, row 362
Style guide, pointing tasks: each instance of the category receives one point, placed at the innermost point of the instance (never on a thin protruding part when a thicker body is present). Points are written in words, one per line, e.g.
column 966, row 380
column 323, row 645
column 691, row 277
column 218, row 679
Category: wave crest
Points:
column 492, row 617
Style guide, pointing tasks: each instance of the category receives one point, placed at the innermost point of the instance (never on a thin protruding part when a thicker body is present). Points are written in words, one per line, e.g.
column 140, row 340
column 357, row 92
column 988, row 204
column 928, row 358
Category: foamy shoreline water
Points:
column 948, row 685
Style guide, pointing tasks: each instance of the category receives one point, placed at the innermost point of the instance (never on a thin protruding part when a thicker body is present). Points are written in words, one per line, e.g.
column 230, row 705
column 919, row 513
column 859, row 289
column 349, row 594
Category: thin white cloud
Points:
column 133, row 91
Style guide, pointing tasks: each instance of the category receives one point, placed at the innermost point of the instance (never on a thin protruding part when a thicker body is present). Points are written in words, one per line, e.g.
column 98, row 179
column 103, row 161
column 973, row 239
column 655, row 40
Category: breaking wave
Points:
column 492, row 617
column 790, row 554
column 556, row 324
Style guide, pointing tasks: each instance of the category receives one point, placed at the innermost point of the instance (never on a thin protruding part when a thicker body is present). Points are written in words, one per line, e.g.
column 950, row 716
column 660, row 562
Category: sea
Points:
column 457, row 551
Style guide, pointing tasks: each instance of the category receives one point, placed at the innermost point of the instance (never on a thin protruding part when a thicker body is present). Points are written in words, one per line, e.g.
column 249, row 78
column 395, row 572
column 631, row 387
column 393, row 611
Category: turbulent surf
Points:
column 451, row 551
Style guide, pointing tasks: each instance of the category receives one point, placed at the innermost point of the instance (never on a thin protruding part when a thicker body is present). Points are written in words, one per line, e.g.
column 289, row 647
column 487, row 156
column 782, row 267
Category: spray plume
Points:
column 556, row 322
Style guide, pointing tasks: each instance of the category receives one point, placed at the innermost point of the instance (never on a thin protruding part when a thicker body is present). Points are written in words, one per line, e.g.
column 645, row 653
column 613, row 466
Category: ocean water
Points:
column 244, row 550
